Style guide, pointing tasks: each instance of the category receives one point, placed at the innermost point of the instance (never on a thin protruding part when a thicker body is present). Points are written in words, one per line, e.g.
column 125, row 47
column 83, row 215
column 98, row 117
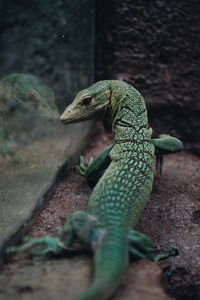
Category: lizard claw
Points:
column 171, row 251
column 82, row 168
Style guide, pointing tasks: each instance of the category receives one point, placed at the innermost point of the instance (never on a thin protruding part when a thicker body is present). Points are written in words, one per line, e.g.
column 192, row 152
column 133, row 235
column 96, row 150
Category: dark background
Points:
column 154, row 45
column 53, row 40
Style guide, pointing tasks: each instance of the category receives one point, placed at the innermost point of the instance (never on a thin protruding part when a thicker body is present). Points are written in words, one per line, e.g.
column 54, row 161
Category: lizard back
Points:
column 123, row 190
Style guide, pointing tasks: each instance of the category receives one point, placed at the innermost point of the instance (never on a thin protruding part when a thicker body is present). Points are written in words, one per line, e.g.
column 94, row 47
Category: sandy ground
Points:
column 171, row 217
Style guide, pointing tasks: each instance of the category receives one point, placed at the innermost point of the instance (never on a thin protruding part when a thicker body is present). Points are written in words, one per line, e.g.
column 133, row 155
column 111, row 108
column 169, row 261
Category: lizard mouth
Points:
column 65, row 120
column 70, row 119
column 71, row 115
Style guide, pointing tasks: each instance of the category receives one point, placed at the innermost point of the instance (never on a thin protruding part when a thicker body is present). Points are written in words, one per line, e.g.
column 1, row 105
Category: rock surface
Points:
column 53, row 40
column 25, row 186
column 154, row 45
column 34, row 146
column 171, row 218
column 65, row 279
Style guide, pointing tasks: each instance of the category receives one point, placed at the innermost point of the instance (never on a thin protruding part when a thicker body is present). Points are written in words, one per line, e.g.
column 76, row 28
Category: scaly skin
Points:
column 121, row 193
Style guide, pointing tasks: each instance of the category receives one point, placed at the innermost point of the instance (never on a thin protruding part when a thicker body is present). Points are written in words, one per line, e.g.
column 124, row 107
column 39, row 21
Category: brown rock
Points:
column 143, row 280
column 67, row 278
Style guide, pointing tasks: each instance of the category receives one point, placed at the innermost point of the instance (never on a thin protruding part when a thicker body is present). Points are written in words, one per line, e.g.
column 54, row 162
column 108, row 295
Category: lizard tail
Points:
column 110, row 263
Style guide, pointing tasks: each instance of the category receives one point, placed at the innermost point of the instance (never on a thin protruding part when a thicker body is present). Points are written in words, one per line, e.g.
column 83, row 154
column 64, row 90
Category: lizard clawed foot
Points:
column 51, row 245
column 171, row 251
column 82, row 168
column 165, row 144
column 140, row 246
column 80, row 225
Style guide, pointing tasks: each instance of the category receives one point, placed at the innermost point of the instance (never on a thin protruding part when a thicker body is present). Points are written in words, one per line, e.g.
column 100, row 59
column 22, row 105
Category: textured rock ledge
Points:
column 34, row 150
column 66, row 278
column 25, row 186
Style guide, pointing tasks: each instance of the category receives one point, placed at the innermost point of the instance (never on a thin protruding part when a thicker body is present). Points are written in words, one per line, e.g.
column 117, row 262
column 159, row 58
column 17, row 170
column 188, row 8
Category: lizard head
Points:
column 88, row 103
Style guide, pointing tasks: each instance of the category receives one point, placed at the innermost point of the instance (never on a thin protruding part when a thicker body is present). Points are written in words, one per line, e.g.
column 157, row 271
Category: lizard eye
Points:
column 87, row 100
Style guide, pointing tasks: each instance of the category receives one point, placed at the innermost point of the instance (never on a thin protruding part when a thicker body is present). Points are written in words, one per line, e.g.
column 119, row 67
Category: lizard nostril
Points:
column 68, row 111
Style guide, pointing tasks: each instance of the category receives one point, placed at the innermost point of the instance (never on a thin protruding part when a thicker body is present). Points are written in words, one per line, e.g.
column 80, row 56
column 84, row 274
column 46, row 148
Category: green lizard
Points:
column 121, row 192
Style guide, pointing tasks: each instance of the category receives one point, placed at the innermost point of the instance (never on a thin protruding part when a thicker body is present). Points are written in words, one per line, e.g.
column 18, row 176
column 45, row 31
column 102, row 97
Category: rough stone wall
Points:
column 154, row 45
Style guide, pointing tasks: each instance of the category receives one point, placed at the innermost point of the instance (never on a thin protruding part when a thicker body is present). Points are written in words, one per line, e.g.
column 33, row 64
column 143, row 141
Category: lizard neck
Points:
column 129, row 113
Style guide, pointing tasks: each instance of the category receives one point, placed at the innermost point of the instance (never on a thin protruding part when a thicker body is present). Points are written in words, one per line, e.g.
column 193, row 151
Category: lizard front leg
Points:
column 165, row 144
column 95, row 168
